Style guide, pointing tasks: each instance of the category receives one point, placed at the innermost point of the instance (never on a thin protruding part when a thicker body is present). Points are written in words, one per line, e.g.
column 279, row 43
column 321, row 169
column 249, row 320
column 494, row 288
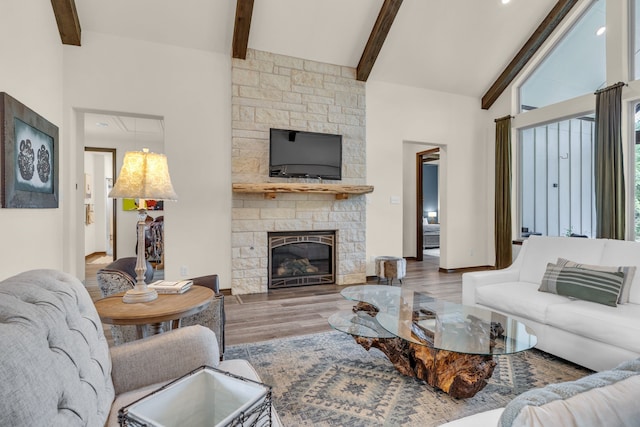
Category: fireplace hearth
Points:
column 301, row 258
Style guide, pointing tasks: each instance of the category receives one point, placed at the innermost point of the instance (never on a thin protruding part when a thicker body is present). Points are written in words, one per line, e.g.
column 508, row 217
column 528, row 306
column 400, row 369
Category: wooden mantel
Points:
column 270, row 189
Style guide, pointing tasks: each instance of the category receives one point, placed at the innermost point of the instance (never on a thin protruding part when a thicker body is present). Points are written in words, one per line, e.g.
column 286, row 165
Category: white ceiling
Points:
column 456, row 46
column 120, row 127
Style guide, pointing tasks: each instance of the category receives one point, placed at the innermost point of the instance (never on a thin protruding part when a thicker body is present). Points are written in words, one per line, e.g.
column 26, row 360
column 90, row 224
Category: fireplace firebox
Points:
column 301, row 258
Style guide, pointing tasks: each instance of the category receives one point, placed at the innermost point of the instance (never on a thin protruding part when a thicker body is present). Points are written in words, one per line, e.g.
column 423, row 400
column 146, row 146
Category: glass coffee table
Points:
column 448, row 345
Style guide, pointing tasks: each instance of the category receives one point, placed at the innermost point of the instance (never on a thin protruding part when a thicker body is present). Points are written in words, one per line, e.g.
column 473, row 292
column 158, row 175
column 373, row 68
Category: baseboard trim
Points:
column 467, row 269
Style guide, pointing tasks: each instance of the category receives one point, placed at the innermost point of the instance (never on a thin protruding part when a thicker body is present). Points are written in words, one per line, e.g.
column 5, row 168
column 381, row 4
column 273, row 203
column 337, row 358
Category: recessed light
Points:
column 102, row 124
column 505, row 1
column 600, row 31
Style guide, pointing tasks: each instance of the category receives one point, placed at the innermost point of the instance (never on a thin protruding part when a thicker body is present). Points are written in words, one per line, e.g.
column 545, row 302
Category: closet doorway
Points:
column 428, row 205
column 99, row 210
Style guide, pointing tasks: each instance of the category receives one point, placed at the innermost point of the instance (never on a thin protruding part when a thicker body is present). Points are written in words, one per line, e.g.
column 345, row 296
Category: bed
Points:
column 431, row 235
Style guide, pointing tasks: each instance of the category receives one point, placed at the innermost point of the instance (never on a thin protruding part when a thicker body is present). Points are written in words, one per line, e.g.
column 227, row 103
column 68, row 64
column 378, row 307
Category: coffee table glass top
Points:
column 423, row 320
column 359, row 324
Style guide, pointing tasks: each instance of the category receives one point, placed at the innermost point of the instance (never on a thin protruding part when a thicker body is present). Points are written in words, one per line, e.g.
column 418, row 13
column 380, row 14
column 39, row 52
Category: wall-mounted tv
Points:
column 298, row 154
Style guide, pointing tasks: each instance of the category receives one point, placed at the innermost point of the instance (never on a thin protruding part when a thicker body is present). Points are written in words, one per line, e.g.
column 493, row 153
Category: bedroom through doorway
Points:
column 428, row 206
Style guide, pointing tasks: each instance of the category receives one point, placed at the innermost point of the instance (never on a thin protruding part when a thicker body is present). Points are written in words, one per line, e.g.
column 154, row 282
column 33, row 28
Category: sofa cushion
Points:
column 601, row 399
column 519, row 298
column 628, row 271
column 617, row 326
column 603, row 287
column 620, row 252
column 541, row 250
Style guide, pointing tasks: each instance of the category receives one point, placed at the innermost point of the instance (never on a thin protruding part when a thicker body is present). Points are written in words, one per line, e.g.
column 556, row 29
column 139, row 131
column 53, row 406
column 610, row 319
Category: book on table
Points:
column 169, row 287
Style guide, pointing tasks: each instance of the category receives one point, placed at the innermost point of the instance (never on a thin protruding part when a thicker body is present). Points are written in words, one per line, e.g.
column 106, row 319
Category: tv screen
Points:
column 298, row 154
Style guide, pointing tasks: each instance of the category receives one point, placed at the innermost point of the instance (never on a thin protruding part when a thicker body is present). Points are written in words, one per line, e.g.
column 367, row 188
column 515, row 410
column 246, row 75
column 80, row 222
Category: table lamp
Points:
column 144, row 175
column 432, row 217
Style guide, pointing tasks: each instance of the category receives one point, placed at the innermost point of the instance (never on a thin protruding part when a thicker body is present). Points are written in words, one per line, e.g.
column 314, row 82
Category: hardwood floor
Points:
column 300, row 311
column 305, row 310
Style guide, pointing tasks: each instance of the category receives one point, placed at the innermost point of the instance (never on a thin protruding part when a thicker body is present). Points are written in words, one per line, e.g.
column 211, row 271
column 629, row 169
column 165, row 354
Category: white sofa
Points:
column 606, row 398
column 593, row 335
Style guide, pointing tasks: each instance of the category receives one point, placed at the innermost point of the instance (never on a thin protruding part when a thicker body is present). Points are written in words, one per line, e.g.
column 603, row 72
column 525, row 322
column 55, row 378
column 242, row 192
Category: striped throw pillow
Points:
column 629, row 272
column 598, row 286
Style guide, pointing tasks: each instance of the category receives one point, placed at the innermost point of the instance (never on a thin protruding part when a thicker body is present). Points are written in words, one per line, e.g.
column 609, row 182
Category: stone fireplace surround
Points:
column 270, row 90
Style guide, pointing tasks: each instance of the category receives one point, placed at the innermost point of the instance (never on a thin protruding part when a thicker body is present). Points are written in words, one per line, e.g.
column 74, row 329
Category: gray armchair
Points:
column 56, row 367
column 119, row 276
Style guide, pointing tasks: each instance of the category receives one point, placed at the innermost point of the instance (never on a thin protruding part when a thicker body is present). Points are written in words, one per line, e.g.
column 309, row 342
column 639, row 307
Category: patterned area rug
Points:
column 329, row 380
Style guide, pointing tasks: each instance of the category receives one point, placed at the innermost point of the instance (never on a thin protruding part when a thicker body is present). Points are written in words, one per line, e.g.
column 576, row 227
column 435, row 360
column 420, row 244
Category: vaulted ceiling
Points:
column 465, row 47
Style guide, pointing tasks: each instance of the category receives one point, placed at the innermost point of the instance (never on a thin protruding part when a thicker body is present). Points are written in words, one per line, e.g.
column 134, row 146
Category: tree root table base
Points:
column 459, row 375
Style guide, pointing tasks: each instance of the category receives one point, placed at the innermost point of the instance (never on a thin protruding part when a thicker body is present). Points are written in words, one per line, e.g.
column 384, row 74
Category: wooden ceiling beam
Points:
column 68, row 22
column 244, row 10
column 381, row 28
column 539, row 36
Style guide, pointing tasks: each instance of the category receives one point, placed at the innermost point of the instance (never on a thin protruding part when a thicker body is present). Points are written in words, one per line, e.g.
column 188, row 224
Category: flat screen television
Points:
column 298, row 154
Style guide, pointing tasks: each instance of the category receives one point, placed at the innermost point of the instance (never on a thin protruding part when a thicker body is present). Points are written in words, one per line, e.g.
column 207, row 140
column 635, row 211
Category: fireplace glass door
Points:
column 301, row 258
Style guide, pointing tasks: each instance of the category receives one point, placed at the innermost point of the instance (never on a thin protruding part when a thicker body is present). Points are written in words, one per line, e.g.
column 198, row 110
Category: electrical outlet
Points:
column 184, row 271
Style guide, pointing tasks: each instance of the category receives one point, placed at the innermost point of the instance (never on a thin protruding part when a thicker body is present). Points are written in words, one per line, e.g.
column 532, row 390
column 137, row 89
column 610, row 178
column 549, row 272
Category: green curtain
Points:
column 608, row 164
column 503, row 240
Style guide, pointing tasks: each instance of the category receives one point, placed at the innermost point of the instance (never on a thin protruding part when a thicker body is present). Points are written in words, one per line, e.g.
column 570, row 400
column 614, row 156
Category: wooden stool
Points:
column 390, row 267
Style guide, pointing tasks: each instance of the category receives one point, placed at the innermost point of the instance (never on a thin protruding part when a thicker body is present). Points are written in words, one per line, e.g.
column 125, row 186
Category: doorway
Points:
column 99, row 210
column 428, row 205
column 116, row 133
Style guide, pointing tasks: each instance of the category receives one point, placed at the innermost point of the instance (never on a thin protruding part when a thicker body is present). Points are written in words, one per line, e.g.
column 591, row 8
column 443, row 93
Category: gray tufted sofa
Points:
column 56, row 368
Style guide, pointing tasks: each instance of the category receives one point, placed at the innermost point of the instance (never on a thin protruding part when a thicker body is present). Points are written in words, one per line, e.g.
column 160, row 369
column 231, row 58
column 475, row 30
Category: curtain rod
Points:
column 613, row 86
column 503, row 118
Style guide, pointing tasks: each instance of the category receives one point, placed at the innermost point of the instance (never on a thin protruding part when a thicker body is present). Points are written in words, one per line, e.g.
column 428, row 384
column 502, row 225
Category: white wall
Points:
column 461, row 128
column 32, row 73
column 191, row 90
column 90, row 230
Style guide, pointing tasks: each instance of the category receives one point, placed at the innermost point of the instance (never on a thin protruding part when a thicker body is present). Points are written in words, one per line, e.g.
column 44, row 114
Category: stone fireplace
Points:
column 301, row 258
column 270, row 90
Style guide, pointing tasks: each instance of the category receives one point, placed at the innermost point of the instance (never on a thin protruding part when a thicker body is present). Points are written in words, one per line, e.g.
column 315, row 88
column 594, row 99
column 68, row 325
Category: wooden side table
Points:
column 168, row 307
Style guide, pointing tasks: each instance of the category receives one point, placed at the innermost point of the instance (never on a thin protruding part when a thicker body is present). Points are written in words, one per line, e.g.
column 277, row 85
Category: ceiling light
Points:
column 600, row 31
column 505, row 1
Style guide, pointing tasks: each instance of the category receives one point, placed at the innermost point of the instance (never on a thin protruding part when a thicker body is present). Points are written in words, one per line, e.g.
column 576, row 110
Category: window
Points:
column 575, row 66
column 556, row 178
column 637, row 174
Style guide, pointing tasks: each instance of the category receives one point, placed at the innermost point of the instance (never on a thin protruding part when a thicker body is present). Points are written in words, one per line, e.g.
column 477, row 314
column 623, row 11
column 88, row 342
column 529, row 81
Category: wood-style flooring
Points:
column 305, row 310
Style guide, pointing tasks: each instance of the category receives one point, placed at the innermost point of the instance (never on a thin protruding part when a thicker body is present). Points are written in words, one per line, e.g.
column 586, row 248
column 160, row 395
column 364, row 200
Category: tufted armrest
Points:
column 162, row 357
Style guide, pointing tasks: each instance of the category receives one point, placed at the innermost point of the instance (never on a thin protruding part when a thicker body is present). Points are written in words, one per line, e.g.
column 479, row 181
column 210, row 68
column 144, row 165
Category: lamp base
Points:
column 139, row 295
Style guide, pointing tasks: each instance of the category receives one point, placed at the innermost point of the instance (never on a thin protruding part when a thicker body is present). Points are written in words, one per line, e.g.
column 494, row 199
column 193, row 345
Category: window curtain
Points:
column 609, row 172
column 503, row 193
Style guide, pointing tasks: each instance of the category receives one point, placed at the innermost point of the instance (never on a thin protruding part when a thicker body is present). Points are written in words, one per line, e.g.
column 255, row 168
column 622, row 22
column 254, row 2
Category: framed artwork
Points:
column 29, row 150
column 152, row 205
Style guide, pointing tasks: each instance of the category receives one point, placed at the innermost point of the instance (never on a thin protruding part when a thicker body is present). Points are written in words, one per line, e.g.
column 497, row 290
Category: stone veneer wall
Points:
column 271, row 90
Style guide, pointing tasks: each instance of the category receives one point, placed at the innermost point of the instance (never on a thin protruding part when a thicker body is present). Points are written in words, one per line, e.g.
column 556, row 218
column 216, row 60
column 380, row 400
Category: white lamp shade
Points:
column 144, row 175
column 432, row 214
